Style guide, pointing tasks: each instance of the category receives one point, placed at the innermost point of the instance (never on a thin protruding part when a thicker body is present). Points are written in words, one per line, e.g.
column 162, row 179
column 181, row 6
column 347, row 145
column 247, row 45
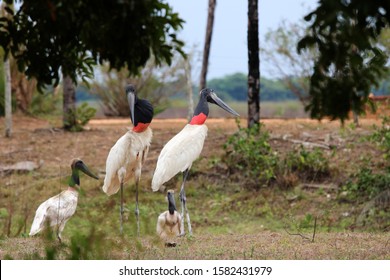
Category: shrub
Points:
column 366, row 183
column 307, row 165
column 381, row 136
column 249, row 153
column 45, row 104
column 83, row 114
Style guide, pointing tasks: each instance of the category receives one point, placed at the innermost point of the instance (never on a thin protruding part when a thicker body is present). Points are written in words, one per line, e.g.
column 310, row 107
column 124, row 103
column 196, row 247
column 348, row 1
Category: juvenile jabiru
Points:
column 169, row 222
column 57, row 210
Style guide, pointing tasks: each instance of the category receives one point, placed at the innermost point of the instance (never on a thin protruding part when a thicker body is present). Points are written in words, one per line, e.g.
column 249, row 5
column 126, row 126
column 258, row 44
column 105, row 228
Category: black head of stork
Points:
column 141, row 111
column 201, row 112
column 78, row 165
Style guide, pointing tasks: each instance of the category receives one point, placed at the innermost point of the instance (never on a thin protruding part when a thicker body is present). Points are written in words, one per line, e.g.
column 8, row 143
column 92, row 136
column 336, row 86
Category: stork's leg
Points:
column 136, row 205
column 60, row 229
column 184, row 210
column 121, row 209
column 137, row 174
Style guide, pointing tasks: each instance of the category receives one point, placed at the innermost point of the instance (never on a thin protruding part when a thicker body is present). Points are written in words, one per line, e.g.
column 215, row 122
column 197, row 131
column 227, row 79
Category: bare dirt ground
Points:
column 37, row 140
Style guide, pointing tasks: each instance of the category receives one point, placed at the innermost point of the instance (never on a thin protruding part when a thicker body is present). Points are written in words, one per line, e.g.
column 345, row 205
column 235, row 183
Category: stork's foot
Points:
column 170, row 244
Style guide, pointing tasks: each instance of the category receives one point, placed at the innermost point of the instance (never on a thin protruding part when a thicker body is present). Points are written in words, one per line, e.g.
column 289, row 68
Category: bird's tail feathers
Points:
column 38, row 224
column 110, row 189
column 157, row 185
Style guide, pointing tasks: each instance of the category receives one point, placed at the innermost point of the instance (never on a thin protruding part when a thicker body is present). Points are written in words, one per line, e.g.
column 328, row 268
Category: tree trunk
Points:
column 187, row 68
column 207, row 43
column 22, row 88
column 8, row 99
column 253, row 64
column 69, row 103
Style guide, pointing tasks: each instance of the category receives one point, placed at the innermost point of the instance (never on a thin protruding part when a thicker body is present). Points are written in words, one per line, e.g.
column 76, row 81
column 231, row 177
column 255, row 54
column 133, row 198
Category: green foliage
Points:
column 366, row 183
column 46, row 37
column 308, row 165
column 45, row 104
column 349, row 62
column 83, row 114
column 381, row 136
column 248, row 152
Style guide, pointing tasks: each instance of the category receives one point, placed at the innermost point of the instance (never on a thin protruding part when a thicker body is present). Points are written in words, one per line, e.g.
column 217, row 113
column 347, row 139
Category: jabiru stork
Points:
column 128, row 155
column 185, row 147
column 57, row 210
column 169, row 222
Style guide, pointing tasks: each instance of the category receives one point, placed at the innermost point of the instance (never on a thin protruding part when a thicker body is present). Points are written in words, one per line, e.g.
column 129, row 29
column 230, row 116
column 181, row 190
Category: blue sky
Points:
column 229, row 48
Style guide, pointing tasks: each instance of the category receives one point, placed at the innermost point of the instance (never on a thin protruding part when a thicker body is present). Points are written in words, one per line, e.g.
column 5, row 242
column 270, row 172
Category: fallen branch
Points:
column 303, row 236
column 319, row 186
column 309, row 144
column 20, row 167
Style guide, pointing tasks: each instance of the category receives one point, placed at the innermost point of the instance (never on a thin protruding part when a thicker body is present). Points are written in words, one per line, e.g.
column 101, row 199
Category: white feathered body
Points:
column 168, row 226
column 125, row 159
column 179, row 154
column 57, row 210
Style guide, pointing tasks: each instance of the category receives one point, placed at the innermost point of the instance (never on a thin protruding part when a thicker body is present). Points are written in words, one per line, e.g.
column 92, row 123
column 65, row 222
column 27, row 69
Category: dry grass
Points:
column 229, row 221
column 266, row 245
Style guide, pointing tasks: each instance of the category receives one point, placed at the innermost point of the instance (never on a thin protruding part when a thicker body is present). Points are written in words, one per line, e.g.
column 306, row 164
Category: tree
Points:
column 8, row 99
column 207, row 43
column 154, row 84
column 253, row 64
column 283, row 60
column 48, row 38
column 349, row 61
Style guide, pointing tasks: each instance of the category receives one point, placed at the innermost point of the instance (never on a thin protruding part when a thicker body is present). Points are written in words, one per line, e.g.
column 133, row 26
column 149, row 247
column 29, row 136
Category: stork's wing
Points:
column 116, row 159
column 123, row 157
column 55, row 210
column 40, row 219
column 160, row 229
column 179, row 154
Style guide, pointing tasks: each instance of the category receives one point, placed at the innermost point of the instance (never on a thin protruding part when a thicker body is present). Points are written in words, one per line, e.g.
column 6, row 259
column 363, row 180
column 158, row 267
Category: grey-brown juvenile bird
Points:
column 169, row 222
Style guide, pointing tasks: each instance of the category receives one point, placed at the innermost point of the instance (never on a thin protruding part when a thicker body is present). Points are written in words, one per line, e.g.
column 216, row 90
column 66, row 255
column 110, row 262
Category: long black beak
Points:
column 131, row 100
column 216, row 100
column 81, row 166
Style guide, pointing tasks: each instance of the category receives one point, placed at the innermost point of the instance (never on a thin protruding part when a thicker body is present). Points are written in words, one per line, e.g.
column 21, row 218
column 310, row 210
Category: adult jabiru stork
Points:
column 169, row 222
column 127, row 156
column 185, row 147
column 57, row 210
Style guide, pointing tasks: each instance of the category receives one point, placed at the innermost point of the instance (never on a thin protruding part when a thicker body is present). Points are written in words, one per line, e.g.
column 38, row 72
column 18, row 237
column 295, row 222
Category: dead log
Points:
column 19, row 167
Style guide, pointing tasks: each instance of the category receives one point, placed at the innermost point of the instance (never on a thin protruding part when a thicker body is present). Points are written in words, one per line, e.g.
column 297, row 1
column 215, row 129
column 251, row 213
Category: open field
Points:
column 229, row 220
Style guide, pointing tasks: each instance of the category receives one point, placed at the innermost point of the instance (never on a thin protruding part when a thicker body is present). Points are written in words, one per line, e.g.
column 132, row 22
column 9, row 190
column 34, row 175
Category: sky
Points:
column 228, row 53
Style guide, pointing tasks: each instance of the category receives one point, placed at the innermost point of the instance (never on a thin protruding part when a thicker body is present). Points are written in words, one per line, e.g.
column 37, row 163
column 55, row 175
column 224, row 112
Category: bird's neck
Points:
column 143, row 115
column 172, row 210
column 201, row 112
column 140, row 127
column 72, row 189
column 74, row 179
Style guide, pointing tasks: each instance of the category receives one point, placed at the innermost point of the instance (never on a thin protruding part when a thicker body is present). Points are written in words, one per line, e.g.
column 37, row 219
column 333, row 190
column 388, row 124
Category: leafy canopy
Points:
column 349, row 62
column 71, row 36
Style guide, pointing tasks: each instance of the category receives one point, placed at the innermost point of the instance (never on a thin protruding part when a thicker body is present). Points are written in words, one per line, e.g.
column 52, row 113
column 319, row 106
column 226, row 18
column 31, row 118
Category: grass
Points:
column 229, row 220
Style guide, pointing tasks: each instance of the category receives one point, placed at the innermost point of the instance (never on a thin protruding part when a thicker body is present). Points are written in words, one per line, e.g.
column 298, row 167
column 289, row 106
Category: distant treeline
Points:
column 234, row 88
